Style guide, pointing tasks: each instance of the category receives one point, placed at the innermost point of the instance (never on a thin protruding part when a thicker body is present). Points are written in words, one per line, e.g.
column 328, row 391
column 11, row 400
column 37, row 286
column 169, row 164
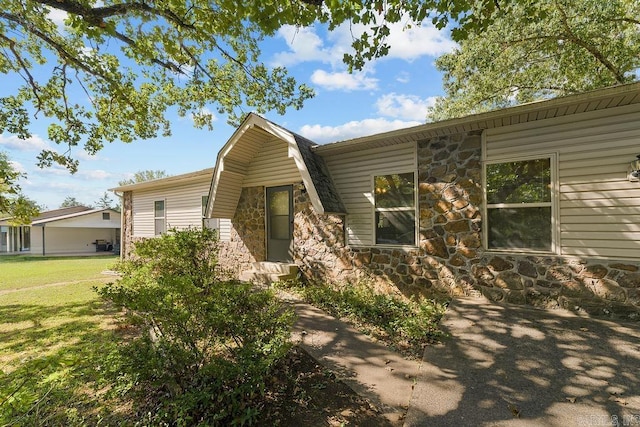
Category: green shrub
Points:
column 406, row 323
column 207, row 343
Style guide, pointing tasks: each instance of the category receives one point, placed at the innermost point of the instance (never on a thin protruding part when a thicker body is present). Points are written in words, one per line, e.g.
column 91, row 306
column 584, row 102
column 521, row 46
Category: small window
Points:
column 106, row 216
column 519, row 205
column 205, row 200
column 395, row 209
column 159, row 217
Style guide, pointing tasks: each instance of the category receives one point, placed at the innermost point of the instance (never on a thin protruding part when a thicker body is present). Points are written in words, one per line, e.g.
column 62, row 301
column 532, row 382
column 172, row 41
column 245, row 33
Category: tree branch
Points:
column 589, row 48
column 97, row 15
column 33, row 85
column 164, row 64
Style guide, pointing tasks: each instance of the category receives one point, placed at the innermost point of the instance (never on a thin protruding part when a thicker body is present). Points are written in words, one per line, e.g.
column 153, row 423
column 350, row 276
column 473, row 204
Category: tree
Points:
column 69, row 202
column 13, row 203
column 145, row 175
column 541, row 49
column 23, row 210
column 111, row 70
column 105, row 202
column 9, row 187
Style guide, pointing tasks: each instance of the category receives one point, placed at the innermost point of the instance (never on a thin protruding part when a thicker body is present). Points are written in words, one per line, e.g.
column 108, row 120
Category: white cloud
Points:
column 34, row 143
column 17, row 166
column 57, row 16
column 54, row 169
column 95, row 174
column 407, row 107
column 343, row 80
column 417, row 41
column 353, row 129
column 407, row 43
column 304, row 45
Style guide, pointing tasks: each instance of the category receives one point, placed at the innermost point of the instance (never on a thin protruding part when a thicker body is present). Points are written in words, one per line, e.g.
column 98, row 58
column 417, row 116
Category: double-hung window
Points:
column 159, row 217
column 519, row 202
column 395, row 208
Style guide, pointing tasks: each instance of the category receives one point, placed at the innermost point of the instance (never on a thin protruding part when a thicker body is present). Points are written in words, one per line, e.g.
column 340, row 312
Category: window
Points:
column 106, row 216
column 519, row 205
column 205, row 200
column 395, row 209
column 159, row 217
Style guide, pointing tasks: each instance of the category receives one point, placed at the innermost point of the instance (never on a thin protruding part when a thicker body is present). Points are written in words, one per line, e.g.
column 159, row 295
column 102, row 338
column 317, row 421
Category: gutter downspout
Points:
column 43, row 244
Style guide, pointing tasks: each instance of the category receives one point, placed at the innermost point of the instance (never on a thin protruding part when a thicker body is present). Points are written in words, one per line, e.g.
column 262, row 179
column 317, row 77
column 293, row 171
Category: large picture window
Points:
column 159, row 217
column 519, row 205
column 395, row 209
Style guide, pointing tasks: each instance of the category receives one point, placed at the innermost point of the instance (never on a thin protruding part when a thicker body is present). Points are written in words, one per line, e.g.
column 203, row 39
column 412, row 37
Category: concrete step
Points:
column 269, row 272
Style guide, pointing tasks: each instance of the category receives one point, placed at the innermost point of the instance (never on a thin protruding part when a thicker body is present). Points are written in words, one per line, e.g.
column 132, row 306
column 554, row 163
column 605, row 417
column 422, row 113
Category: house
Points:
column 152, row 207
column 534, row 204
column 73, row 230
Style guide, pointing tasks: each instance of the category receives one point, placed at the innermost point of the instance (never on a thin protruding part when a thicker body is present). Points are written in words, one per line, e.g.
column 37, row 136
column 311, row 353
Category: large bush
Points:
column 206, row 344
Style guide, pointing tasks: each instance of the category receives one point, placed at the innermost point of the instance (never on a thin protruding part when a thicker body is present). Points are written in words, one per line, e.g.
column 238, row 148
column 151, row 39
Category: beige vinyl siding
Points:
column 352, row 175
column 271, row 166
column 67, row 240
column 225, row 230
column 183, row 207
column 599, row 209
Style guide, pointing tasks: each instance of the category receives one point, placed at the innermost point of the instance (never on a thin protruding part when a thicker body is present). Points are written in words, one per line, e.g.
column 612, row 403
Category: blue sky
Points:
column 390, row 93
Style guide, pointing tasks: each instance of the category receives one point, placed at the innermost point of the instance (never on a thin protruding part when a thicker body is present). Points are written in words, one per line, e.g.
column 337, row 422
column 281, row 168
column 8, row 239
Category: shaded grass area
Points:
column 405, row 324
column 52, row 344
column 19, row 272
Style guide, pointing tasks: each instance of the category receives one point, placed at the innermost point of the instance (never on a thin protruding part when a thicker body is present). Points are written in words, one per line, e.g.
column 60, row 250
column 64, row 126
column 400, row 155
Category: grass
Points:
column 51, row 341
column 58, row 343
column 19, row 271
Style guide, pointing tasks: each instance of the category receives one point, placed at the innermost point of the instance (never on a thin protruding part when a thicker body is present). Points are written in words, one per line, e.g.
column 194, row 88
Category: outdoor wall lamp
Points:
column 634, row 170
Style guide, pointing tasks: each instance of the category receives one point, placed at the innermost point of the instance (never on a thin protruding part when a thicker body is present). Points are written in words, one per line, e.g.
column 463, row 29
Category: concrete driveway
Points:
column 519, row 366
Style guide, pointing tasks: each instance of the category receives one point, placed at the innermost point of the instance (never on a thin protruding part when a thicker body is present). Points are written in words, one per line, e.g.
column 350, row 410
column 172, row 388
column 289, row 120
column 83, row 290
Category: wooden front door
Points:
column 280, row 223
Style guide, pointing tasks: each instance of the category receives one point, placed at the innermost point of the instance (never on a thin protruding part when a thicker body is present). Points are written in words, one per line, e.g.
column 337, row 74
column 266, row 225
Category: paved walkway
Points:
column 500, row 366
column 370, row 369
column 520, row 366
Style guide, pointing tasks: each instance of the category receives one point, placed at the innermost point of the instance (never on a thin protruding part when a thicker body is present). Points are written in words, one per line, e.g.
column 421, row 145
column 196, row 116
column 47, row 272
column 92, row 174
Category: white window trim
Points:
column 372, row 180
column 164, row 217
column 554, row 203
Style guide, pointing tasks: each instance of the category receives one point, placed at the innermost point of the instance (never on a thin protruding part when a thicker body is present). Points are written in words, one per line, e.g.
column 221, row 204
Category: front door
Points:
column 280, row 223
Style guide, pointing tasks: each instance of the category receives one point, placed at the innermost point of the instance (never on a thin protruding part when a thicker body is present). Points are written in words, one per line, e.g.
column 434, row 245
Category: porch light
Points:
column 634, row 170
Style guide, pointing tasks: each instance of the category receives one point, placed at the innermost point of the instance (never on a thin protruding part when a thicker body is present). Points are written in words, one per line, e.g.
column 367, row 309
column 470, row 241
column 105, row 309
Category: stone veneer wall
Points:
column 449, row 259
column 247, row 242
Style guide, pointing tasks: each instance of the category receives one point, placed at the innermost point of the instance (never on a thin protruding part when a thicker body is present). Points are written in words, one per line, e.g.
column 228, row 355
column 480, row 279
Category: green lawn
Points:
column 26, row 271
column 52, row 341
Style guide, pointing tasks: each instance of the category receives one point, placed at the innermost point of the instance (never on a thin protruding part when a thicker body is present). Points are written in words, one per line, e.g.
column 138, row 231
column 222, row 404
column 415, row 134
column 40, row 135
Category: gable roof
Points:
column 614, row 96
column 166, row 182
column 62, row 213
column 45, row 218
column 236, row 155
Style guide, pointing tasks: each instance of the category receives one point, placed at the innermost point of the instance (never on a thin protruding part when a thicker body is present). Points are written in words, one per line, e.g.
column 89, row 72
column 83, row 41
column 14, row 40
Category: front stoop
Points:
column 268, row 272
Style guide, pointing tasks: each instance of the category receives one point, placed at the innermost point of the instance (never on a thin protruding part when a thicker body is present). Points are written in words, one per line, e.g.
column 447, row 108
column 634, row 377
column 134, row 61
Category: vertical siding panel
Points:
column 352, row 172
column 183, row 206
column 272, row 166
column 595, row 196
column 225, row 230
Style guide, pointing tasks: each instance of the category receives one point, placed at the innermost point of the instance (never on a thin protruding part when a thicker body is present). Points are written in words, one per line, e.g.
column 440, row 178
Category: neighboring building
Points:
column 534, row 204
column 152, row 207
column 66, row 231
